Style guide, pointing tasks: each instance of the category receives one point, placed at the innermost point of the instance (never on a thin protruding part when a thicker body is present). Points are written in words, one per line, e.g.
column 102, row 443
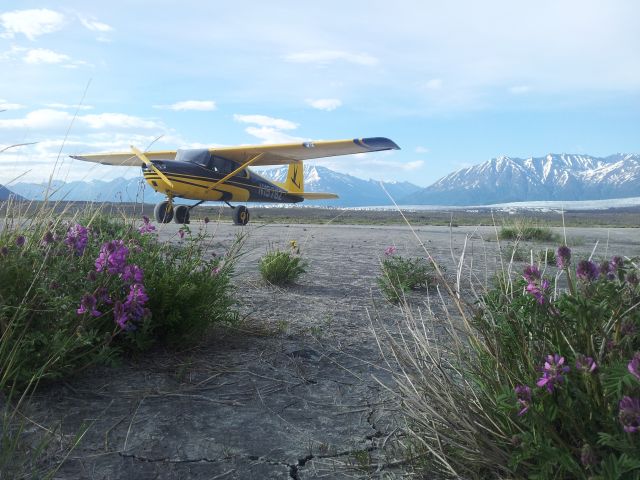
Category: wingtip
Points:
column 378, row 143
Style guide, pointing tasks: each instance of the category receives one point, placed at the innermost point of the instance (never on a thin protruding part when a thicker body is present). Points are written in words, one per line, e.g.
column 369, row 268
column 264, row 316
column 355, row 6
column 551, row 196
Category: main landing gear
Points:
column 166, row 211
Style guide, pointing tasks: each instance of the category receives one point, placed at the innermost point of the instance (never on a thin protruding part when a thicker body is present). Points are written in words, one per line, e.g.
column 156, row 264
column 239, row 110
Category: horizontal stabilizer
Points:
column 315, row 195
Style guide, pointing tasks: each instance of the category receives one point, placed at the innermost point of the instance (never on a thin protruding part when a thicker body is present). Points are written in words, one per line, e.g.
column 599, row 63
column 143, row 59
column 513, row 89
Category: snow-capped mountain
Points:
column 5, row 194
column 352, row 191
column 553, row 177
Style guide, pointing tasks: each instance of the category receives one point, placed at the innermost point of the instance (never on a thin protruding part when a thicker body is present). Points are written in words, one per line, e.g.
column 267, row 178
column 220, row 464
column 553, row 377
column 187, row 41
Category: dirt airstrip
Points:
column 295, row 392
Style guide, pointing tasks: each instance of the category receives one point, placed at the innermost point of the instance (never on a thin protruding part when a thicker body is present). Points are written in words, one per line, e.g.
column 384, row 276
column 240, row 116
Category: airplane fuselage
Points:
column 198, row 182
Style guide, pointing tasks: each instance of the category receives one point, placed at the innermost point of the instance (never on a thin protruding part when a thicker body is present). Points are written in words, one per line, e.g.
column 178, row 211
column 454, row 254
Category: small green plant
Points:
column 546, row 256
column 527, row 230
column 283, row 267
column 399, row 275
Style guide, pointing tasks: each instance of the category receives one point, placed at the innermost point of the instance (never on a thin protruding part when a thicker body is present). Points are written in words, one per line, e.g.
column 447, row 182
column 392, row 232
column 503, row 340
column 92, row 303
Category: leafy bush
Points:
column 72, row 294
column 282, row 267
column 548, row 385
column 399, row 275
column 527, row 231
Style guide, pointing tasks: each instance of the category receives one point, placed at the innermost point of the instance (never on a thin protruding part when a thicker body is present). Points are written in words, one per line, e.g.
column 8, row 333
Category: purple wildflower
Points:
column 627, row 328
column 132, row 274
column 552, row 372
column 634, row 366
column 630, row 414
column 77, row 238
column 523, row 395
column 48, row 239
column 20, row 240
column 538, row 291
column 102, row 295
column 112, row 257
column 181, row 234
column 587, row 271
column 616, row 263
column 146, row 227
column 390, row 250
column 605, row 270
column 215, row 271
column 632, row 278
column 531, row 273
column 132, row 310
column 585, row 364
column 563, row 257
column 88, row 305
column 4, row 251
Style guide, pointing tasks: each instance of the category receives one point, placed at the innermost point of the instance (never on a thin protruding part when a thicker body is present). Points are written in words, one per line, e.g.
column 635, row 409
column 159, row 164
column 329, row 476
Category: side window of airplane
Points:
column 224, row 166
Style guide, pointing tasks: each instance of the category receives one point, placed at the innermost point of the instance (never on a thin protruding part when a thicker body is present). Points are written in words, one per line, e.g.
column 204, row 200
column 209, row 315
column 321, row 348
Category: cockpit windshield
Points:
column 201, row 156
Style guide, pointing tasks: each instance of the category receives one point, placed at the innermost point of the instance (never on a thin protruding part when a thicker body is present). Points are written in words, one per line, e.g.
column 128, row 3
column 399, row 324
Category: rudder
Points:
column 295, row 177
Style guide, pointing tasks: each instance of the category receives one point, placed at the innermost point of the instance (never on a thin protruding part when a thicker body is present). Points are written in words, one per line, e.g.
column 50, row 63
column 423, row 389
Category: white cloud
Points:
column 272, row 135
column 5, row 105
column 327, row 104
column 44, row 55
column 69, row 106
column 31, row 23
column 519, row 89
column 200, row 105
column 49, row 119
column 421, row 149
column 265, row 121
column 94, row 25
column 326, row 57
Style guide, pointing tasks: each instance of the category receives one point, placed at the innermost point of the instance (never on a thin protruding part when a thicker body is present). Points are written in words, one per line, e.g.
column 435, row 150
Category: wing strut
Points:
column 143, row 158
column 239, row 169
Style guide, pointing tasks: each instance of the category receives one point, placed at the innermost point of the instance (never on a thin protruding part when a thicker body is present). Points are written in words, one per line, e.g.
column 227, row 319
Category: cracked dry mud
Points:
column 290, row 396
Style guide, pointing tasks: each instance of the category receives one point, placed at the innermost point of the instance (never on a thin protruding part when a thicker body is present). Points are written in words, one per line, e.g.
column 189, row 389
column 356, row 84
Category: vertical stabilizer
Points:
column 295, row 177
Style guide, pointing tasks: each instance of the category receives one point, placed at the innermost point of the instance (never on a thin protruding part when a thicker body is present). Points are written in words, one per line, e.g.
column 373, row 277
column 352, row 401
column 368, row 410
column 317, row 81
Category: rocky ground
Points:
column 297, row 390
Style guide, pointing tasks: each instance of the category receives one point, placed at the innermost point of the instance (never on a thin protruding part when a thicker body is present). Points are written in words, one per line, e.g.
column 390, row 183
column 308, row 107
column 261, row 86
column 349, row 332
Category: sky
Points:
column 452, row 83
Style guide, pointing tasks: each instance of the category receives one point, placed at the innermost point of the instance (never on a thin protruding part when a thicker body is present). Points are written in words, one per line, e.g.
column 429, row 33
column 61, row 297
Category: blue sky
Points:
column 453, row 83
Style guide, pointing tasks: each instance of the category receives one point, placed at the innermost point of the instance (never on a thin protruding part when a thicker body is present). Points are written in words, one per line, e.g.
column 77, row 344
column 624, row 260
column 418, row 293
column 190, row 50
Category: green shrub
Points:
column 399, row 275
column 546, row 256
column 282, row 267
column 548, row 385
column 72, row 295
column 526, row 230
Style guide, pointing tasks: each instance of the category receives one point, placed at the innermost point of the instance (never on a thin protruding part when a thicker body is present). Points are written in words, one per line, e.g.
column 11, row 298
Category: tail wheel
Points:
column 181, row 213
column 163, row 212
column 241, row 215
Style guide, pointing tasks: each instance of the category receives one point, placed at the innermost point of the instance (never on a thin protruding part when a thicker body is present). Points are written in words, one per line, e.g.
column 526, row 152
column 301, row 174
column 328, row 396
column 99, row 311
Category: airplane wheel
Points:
column 241, row 215
column 163, row 212
column 181, row 214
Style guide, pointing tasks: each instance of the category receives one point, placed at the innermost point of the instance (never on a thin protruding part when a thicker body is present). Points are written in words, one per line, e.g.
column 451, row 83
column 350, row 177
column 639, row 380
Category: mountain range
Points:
column 552, row 177
column 499, row 180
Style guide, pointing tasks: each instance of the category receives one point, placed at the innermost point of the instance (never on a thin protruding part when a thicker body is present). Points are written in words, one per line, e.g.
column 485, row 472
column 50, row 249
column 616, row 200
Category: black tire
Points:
column 163, row 212
column 181, row 214
column 241, row 215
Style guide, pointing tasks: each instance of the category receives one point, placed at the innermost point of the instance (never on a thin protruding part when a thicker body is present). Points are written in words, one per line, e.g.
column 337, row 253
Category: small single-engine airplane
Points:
column 222, row 174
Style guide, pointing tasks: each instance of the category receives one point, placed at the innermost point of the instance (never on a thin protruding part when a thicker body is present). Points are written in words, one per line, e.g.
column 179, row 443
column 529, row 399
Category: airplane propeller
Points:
column 143, row 158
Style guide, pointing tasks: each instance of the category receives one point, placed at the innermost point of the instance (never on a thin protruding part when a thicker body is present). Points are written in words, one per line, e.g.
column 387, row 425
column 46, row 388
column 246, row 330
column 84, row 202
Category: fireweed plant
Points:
column 283, row 267
column 542, row 381
column 73, row 293
column 399, row 275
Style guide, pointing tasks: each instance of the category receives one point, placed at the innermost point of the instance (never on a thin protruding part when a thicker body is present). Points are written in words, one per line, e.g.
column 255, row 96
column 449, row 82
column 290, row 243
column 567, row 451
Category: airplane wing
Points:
column 125, row 159
column 284, row 154
column 279, row 154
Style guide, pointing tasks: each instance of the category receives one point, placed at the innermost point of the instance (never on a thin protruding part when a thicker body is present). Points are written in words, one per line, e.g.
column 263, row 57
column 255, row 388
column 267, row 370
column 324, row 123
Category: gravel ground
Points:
column 294, row 393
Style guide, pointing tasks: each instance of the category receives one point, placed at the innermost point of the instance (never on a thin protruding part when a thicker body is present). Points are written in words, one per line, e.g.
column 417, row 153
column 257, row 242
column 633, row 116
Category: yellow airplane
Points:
column 222, row 174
